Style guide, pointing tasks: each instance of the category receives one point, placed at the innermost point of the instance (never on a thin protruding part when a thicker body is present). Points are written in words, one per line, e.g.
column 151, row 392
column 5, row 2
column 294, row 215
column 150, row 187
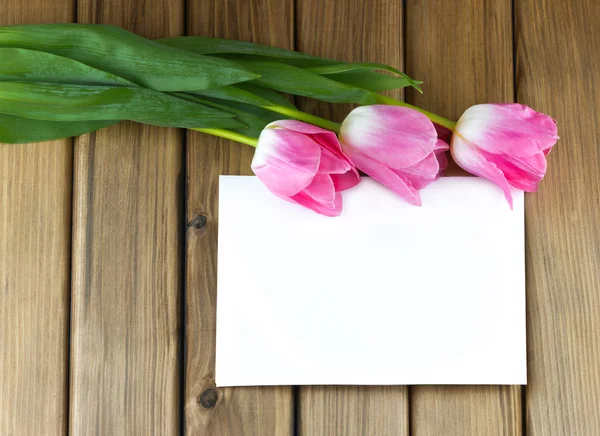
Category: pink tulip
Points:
column 304, row 164
column 504, row 143
column 396, row 146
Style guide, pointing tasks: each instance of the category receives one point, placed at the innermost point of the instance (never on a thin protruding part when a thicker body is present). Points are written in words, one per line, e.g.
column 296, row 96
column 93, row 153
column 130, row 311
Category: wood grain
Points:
column 367, row 31
column 127, row 265
column 35, row 237
column 558, row 60
column 353, row 410
column 462, row 50
column 208, row 410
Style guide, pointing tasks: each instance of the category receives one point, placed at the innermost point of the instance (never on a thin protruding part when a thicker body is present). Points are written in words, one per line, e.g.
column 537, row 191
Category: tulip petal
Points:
column 470, row 159
column 442, row 159
column 513, row 129
column 523, row 173
column 422, row 173
column 345, row 181
column 331, row 163
column 441, row 146
column 285, row 161
column 332, row 209
column 300, row 126
column 394, row 135
column 385, row 176
column 440, row 153
column 321, row 189
column 443, row 133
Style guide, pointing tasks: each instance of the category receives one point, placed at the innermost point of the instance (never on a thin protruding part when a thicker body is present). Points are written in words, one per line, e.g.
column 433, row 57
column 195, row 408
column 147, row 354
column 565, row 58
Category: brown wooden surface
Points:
column 464, row 56
column 35, row 240
column 558, row 65
column 343, row 29
column 210, row 411
column 127, row 263
column 126, row 259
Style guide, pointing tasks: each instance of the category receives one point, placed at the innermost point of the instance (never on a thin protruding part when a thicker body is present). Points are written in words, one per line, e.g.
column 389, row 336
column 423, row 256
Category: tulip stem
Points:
column 303, row 116
column 449, row 124
column 222, row 133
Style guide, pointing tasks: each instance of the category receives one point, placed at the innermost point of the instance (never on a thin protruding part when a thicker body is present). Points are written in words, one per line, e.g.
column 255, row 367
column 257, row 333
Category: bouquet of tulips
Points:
column 64, row 80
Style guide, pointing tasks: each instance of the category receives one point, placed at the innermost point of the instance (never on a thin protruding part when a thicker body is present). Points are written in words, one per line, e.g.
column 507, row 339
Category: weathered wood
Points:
column 352, row 30
column 462, row 50
column 558, row 60
column 211, row 411
column 126, row 263
column 35, row 247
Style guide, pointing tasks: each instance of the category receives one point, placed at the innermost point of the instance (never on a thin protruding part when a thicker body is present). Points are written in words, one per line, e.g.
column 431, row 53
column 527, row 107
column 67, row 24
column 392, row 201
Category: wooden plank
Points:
column 462, row 50
column 126, row 261
column 557, row 63
column 211, row 411
column 35, row 247
column 353, row 30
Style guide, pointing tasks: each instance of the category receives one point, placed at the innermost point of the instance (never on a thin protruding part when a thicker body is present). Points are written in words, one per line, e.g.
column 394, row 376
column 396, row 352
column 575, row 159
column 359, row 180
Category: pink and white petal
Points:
column 511, row 128
column 422, row 173
column 331, row 143
column 331, row 209
column 333, row 164
column 470, row 159
column 285, row 161
column 442, row 159
column 385, row 176
column 441, row 146
column 534, row 165
column 394, row 135
column 321, row 189
column 345, row 181
column 523, row 173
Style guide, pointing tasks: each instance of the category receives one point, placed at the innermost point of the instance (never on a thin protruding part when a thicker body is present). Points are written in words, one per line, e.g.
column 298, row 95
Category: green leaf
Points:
column 292, row 80
column 247, row 51
column 364, row 67
column 255, row 118
column 19, row 64
column 112, row 49
column 207, row 45
column 373, row 81
column 58, row 102
column 247, row 93
column 17, row 130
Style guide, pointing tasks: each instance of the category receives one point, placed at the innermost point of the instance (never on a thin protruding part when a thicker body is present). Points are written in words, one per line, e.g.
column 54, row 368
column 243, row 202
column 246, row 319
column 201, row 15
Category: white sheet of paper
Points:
column 387, row 293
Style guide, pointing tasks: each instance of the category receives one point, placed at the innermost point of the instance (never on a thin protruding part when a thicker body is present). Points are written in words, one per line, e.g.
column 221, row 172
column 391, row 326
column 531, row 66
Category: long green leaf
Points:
column 331, row 70
column 207, row 45
column 127, row 55
column 19, row 64
column 17, row 130
column 246, row 51
column 372, row 81
column 247, row 93
column 58, row 102
column 255, row 118
column 292, row 80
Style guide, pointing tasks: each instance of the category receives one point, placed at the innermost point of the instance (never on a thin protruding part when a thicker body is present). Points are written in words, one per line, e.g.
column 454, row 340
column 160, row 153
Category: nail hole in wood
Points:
column 208, row 398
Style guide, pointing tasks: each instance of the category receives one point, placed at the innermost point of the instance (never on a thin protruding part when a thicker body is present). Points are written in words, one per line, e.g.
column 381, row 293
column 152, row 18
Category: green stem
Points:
column 449, row 124
column 303, row 116
column 222, row 133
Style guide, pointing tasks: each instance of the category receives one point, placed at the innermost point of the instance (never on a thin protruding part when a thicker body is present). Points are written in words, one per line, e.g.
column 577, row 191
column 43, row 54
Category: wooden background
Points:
column 108, row 241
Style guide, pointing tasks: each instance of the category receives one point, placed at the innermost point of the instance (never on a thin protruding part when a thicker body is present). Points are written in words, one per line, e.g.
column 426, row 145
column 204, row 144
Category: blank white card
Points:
column 387, row 293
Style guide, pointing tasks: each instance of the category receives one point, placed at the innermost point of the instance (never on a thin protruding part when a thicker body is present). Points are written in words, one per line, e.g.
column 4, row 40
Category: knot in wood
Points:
column 208, row 398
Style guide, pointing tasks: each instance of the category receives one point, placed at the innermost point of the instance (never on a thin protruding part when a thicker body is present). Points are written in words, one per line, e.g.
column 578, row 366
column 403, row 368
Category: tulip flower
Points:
column 304, row 164
column 504, row 143
column 396, row 146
